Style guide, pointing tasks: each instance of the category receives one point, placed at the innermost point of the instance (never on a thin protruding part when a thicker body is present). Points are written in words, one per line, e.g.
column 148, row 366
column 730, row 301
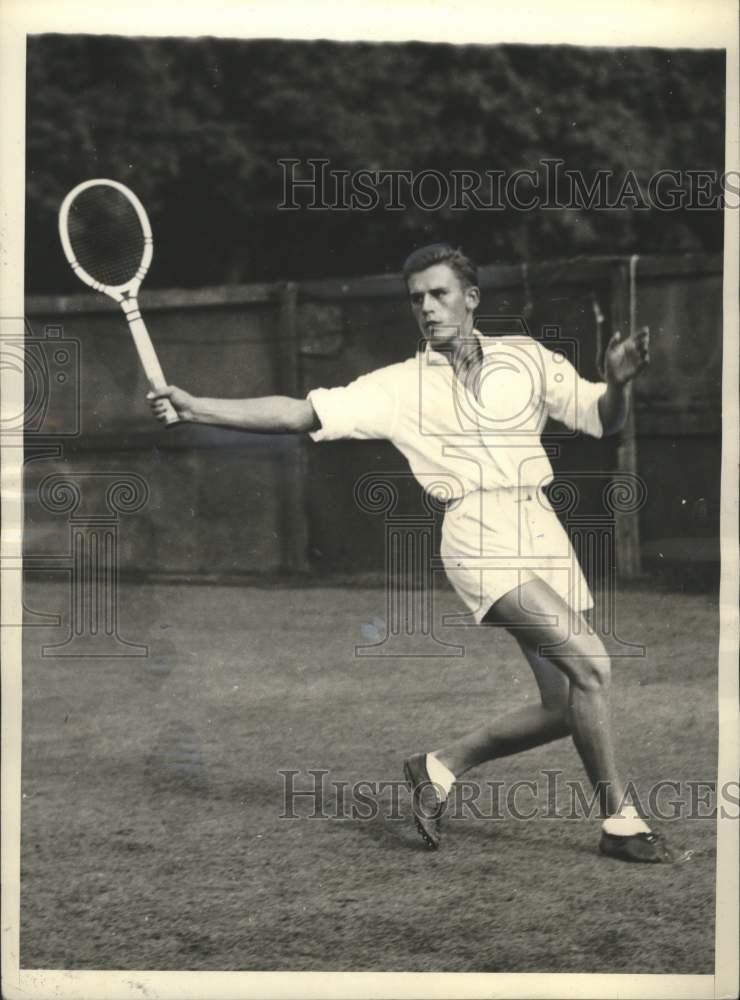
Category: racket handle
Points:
column 148, row 357
column 171, row 416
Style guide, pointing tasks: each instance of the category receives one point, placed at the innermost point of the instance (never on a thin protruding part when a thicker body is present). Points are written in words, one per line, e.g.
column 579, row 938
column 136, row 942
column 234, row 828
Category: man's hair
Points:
column 442, row 253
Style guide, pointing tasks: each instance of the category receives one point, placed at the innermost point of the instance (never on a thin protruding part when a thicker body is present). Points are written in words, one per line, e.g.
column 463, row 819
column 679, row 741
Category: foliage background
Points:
column 196, row 127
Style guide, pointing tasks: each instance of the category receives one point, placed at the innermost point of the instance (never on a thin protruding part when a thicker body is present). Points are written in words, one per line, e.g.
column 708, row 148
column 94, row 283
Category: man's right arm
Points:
column 261, row 415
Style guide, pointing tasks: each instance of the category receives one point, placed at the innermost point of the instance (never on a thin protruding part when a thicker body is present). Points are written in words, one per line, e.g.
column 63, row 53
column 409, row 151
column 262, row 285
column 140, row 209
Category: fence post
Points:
column 627, row 527
column 294, row 525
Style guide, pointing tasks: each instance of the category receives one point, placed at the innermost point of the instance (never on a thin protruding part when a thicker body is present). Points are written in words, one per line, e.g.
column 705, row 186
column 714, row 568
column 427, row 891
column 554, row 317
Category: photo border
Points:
column 662, row 23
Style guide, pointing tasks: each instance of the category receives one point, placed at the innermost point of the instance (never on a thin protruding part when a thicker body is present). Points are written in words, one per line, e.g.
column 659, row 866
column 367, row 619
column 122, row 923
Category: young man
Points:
column 468, row 411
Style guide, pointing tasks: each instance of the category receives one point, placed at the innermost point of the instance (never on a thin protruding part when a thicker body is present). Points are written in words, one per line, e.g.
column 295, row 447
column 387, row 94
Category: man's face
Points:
column 443, row 309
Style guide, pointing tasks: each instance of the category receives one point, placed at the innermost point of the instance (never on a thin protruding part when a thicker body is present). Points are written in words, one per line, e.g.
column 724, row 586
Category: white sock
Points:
column 626, row 823
column 439, row 774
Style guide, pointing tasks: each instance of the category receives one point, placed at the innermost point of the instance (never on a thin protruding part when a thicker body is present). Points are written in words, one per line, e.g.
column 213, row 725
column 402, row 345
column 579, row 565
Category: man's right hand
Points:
column 182, row 401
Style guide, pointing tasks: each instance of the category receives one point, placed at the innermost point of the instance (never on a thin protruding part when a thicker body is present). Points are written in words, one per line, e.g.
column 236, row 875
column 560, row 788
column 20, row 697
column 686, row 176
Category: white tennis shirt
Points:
column 457, row 441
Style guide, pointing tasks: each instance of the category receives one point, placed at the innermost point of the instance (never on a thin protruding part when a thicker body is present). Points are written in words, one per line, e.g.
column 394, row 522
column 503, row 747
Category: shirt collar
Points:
column 429, row 350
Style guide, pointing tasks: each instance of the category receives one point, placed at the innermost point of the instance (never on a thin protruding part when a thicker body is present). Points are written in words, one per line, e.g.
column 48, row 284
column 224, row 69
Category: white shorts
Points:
column 494, row 541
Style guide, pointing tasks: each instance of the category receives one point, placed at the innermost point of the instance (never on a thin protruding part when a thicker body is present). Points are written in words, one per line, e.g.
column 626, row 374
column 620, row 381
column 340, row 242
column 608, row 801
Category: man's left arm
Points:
column 625, row 357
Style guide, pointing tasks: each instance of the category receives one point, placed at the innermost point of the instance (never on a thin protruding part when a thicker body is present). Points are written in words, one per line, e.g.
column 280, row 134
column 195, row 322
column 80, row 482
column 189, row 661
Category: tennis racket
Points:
column 107, row 240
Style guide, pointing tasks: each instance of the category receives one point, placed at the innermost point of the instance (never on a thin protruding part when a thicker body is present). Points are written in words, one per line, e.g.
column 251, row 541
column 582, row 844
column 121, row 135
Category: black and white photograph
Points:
column 370, row 551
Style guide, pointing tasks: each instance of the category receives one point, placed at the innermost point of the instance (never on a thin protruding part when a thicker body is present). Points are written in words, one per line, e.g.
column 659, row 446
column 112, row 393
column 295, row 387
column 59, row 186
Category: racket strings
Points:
column 106, row 234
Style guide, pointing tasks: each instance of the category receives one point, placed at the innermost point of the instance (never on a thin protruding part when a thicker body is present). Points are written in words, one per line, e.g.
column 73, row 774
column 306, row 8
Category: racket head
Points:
column 106, row 237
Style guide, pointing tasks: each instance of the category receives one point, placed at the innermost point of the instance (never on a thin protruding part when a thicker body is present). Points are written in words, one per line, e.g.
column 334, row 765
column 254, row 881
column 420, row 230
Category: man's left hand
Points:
column 625, row 357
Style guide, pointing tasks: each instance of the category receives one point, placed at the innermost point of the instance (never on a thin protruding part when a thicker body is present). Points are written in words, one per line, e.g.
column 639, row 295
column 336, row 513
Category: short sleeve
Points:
column 364, row 409
column 569, row 398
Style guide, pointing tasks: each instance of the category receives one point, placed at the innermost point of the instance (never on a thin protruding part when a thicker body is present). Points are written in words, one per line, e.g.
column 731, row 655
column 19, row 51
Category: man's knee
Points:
column 592, row 672
column 590, row 667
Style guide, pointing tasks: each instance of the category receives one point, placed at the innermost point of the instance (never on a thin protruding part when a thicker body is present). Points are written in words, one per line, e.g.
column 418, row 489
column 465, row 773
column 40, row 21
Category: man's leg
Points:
column 573, row 672
column 522, row 729
column 552, row 633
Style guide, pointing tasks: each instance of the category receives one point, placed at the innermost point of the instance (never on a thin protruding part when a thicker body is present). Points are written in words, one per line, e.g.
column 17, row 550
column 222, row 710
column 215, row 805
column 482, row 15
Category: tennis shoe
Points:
column 427, row 800
column 647, row 848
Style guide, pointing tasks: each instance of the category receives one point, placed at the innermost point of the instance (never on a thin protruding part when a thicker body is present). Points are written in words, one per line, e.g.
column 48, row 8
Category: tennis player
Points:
column 468, row 412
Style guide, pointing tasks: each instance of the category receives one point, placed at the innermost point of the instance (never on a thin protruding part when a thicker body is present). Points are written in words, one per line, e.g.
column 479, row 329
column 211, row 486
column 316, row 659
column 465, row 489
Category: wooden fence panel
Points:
column 223, row 504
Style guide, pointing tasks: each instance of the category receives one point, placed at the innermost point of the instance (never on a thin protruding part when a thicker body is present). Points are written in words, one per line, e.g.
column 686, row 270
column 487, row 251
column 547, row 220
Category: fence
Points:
column 222, row 504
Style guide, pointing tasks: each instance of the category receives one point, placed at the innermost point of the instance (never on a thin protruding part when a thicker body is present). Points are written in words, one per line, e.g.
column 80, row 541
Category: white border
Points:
column 728, row 758
column 674, row 23
column 670, row 23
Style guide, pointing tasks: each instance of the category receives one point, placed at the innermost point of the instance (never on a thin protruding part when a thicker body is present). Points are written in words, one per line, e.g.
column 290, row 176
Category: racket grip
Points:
column 171, row 416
